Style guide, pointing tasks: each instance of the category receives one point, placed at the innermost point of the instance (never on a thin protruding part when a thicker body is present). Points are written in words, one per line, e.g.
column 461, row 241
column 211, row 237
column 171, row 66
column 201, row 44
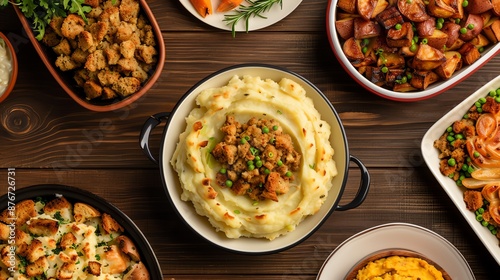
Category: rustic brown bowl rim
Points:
column 15, row 67
column 75, row 96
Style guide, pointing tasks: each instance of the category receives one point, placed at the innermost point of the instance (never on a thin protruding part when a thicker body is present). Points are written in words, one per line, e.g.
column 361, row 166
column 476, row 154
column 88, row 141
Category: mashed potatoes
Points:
column 396, row 267
column 286, row 105
column 5, row 67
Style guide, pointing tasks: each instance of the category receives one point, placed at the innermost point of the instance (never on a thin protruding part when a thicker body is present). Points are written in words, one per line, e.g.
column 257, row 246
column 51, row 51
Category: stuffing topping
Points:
column 469, row 153
column 111, row 53
column 258, row 158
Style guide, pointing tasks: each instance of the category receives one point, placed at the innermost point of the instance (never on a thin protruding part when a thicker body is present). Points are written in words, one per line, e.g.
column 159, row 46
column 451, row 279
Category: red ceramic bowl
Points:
column 66, row 80
column 434, row 89
column 13, row 74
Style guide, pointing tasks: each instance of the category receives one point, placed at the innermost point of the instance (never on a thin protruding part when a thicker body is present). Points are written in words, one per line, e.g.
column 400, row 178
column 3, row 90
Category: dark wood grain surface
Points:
column 49, row 139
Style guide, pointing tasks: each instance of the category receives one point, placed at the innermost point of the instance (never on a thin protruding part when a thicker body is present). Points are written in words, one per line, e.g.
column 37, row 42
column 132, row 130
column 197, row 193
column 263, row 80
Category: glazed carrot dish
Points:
column 470, row 155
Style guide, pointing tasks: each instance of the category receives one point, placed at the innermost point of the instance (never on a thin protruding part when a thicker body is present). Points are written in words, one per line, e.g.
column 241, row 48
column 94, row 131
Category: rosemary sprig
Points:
column 255, row 9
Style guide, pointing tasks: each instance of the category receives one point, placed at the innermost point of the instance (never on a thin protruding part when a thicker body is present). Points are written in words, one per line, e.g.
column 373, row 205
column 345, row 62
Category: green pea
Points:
column 258, row 163
column 449, row 129
column 439, row 25
column 482, row 100
column 440, row 20
column 498, row 91
column 366, row 41
column 470, row 169
column 404, row 80
column 257, row 158
column 479, row 110
column 479, row 218
column 409, row 76
column 480, row 210
column 288, row 174
column 223, row 171
column 466, row 116
column 478, row 104
column 275, row 127
column 265, row 129
column 477, row 154
column 413, row 48
column 463, row 30
column 465, row 167
column 492, row 93
column 251, row 167
column 457, row 20
column 243, row 141
column 384, row 69
column 267, row 171
column 459, row 136
column 279, row 163
column 398, row 26
column 450, row 138
column 485, row 223
column 250, row 162
column 470, row 26
column 229, row 183
column 497, row 99
column 364, row 49
column 452, row 162
column 465, row 3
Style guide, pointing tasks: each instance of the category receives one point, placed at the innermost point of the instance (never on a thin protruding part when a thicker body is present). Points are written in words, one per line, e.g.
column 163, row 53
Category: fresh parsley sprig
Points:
column 41, row 12
column 256, row 8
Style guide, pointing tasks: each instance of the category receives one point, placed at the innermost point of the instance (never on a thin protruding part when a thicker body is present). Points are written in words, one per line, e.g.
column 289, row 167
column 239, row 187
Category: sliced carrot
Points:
column 228, row 5
column 203, row 7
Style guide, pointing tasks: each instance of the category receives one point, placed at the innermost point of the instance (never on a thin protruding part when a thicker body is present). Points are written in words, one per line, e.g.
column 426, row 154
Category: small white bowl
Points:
column 433, row 89
column 11, row 54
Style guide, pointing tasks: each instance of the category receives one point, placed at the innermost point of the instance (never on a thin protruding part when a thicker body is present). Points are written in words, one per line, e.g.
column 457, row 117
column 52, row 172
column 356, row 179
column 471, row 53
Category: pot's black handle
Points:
column 364, row 187
column 148, row 126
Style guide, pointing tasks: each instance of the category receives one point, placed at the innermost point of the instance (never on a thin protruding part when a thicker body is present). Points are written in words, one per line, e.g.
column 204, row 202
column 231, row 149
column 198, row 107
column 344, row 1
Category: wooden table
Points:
column 48, row 138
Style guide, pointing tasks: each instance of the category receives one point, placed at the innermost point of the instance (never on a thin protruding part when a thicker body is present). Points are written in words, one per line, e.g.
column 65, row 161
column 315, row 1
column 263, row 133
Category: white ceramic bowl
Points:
column 176, row 124
column 455, row 193
column 433, row 89
column 403, row 236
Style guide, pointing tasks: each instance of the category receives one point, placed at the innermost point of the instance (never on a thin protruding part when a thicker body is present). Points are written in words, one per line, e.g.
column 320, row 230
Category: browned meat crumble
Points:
column 258, row 158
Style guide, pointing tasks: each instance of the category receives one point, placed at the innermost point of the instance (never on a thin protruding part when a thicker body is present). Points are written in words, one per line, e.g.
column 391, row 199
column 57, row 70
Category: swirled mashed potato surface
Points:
column 246, row 97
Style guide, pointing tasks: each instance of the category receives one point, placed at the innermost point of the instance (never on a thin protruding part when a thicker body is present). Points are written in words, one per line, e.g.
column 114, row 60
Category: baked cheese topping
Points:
column 59, row 240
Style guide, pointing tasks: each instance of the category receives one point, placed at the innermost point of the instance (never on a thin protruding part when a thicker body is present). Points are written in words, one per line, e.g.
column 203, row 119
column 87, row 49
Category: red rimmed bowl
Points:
column 12, row 68
column 436, row 88
column 67, row 82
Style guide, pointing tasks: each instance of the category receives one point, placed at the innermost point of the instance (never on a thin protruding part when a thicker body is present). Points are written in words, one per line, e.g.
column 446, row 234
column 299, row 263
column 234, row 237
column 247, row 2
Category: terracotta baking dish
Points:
column 66, row 80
